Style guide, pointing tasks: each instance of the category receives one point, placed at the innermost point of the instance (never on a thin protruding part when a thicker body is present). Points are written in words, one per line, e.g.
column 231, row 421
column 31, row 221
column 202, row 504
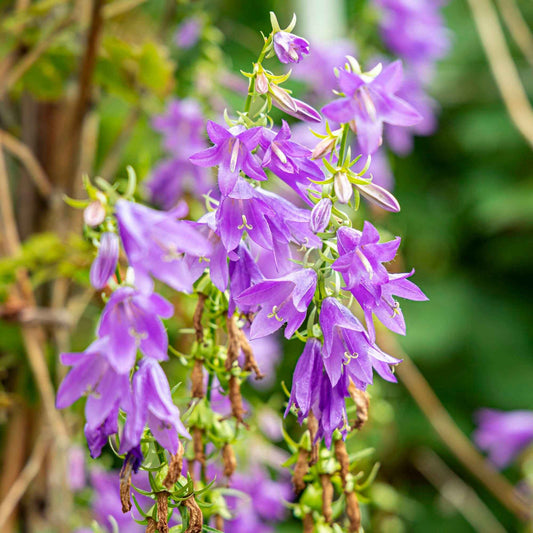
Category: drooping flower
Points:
column 152, row 404
column 370, row 101
column 107, row 390
column 306, row 380
column 503, row 435
column 104, row 265
column 289, row 47
column 131, row 321
column 331, row 412
column 361, row 264
column 155, row 243
column 232, row 153
column 284, row 299
column 348, row 348
column 290, row 161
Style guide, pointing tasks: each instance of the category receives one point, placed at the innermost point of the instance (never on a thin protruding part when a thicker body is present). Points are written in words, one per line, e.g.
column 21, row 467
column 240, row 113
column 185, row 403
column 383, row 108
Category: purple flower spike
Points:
column 503, row 434
column 152, row 403
column 368, row 103
column 232, row 153
column 290, row 161
column 348, row 346
column 107, row 390
column 306, row 380
column 105, row 263
column 285, row 299
column 361, row 265
column 290, row 48
column 131, row 321
column 320, row 215
column 155, row 242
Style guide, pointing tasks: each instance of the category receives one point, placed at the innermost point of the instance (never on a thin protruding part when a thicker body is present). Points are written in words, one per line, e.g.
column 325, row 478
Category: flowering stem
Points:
column 251, row 85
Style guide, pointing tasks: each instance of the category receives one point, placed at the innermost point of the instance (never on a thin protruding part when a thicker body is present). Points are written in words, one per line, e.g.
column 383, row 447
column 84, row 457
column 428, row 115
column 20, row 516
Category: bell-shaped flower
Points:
column 368, row 102
column 152, row 404
column 106, row 260
column 289, row 47
column 503, row 434
column 361, row 264
column 284, row 299
column 155, row 243
column 131, row 321
column 347, row 346
column 331, row 412
column 290, row 161
column 107, row 390
column 306, row 380
column 232, row 153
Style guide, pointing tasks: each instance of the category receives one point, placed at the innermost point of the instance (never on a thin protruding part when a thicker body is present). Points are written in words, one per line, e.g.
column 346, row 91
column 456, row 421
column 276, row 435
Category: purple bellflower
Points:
column 243, row 273
column 368, row 102
column 503, row 434
column 104, row 265
column 306, row 381
column 131, row 321
column 232, row 153
column 331, row 412
column 320, row 215
column 285, row 299
column 107, row 390
column 152, row 403
column 361, row 264
column 290, row 161
column 289, row 47
column 347, row 347
column 155, row 242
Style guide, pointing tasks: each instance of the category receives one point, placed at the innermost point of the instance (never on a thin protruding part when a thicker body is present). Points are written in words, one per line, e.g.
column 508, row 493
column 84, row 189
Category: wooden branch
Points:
column 30, row 162
column 503, row 68
column 453, row 489
column 450, row 433
column 28, row 474
column 517, row 27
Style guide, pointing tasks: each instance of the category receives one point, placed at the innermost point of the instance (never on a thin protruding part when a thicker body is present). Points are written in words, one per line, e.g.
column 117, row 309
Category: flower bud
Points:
column 261, row 83
column 94, row 214
column 106, row 261
column 324, row 147
column 343, row 187
column 320, row 215
column 379, row 196
column 283, row 99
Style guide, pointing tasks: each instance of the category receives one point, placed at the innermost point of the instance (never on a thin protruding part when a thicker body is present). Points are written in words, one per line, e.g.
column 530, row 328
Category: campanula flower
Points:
column 152, row 403
column 243, row 273
column 104, row 265
column 284, row 299
column 306, row 380
column 232, row 153
column 331, row 412
column 289, row 160
column 106, row 390
column 131, row 321
column 347, row 346
column 503, row 435
column 289, row 47
column 155, row 243
column 368, row 102
column 361, row 264
column 320, row 215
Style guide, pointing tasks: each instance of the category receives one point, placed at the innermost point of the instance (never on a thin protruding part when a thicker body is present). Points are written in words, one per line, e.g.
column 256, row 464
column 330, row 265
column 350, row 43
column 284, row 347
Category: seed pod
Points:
column 353, row 512
column 151, row 525
column 250, row 364
column 162, row 511
column 300, row 470
column 327, row 497
column 174, row 467
column 362, row 402
column 196, row 519
column 342, row 456
column 125, row 486
column 229, row 460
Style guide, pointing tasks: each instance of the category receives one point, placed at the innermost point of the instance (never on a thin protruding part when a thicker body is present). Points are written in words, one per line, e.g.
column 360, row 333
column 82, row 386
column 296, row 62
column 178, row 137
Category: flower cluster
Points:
column 259, row 264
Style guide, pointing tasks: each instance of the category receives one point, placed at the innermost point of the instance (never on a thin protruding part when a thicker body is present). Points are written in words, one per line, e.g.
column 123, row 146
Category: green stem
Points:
column 251, row 85
column 344, row 144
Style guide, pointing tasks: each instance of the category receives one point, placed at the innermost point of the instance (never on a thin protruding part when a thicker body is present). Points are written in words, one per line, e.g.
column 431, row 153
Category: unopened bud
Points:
column 343, row 187
column 284, row 100
column 320, row 215
column 324, row 147
column 94, row 214
column 379, row 196
column 261, row 83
